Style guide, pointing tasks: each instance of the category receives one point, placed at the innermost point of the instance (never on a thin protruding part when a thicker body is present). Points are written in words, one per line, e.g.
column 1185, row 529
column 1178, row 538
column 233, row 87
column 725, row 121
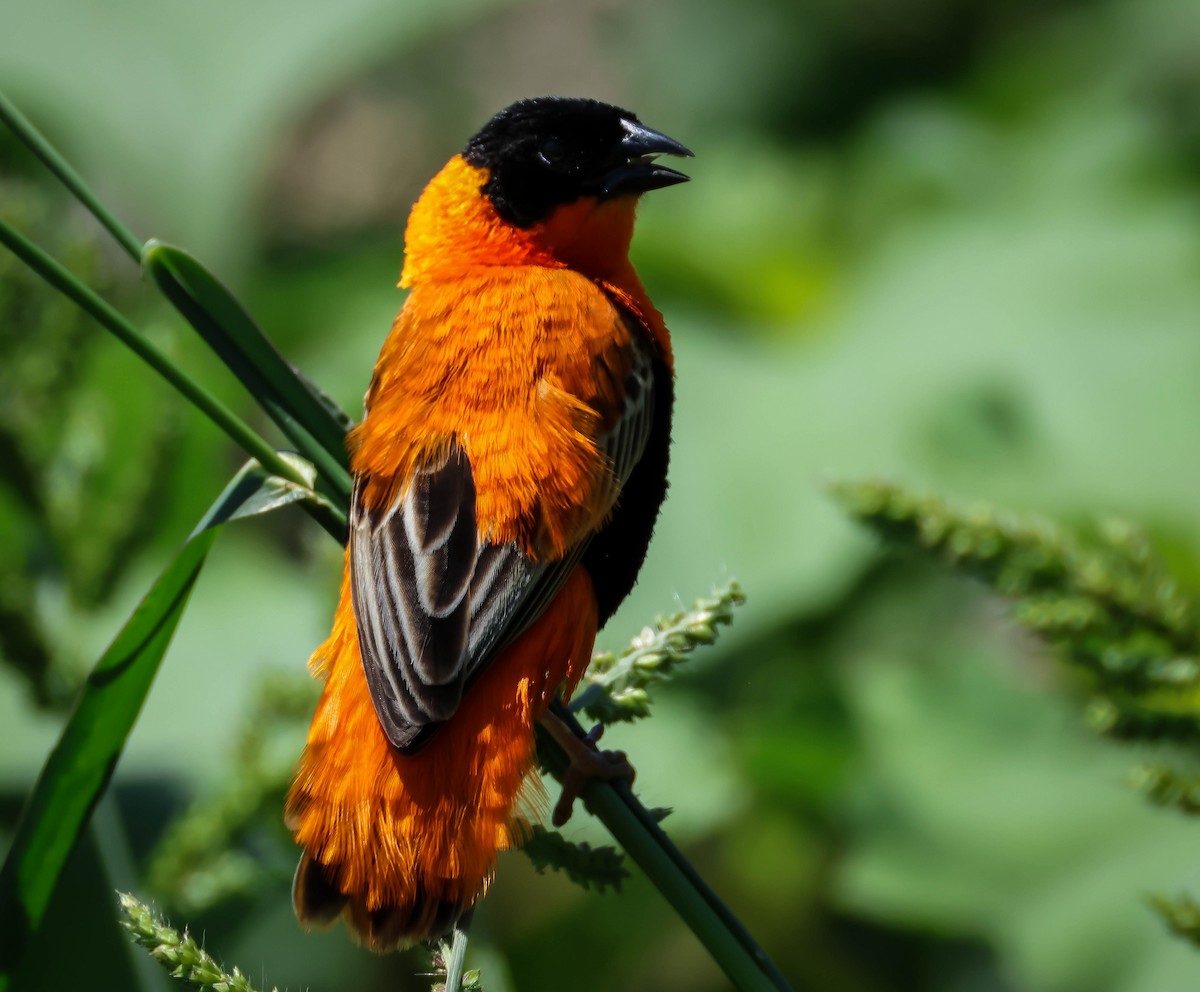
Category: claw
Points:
column 587, row 763
column 606, row 765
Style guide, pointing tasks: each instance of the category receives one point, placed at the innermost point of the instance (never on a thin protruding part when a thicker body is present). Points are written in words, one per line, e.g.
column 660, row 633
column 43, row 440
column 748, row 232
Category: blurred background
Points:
column 955, row 243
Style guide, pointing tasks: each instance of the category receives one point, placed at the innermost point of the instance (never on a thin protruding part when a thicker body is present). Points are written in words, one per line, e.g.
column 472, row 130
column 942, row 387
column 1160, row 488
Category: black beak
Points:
column 636, row 171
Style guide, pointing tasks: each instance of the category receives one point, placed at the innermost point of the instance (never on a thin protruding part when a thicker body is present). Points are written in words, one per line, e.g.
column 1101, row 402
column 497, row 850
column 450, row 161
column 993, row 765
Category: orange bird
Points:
column 508, row 474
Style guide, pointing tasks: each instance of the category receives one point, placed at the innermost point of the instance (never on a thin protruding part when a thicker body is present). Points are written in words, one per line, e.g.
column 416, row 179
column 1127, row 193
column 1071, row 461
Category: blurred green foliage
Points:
column 74, row 517
column 948, row 240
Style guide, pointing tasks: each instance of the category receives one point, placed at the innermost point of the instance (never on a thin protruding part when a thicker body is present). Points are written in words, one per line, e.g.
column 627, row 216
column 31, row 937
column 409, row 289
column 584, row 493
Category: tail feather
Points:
column 403, row 845
column 319, row 904
column 391, row 928
column 317, row 901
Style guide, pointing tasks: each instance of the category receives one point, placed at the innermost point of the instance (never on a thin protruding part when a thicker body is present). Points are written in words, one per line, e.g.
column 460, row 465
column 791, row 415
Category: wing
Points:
column 433, row 602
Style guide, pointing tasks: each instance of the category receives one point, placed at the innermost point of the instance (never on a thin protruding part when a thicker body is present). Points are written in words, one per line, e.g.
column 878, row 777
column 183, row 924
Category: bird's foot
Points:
column 587, row 762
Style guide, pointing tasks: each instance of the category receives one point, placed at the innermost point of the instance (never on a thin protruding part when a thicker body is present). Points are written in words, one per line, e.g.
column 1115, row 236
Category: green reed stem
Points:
column 103, row 312
column 633, row 827
column 33, row 139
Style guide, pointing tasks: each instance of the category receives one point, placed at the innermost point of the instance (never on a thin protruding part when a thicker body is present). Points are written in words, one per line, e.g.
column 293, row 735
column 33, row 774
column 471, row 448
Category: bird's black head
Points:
column 545, row 152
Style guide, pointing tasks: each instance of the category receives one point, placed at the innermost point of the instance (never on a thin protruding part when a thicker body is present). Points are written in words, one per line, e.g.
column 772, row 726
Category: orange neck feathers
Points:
column 454, row 228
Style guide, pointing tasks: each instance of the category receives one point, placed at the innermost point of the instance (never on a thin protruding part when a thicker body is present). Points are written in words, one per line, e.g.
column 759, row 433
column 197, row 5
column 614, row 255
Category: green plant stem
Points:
column 234, row 427
column 33, row 139
column 178, row 952
column 634, row 828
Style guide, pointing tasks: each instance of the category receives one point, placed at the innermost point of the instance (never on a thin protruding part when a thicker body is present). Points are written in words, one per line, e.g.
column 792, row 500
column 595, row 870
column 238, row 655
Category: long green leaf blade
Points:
column 310, row 418
column 82, row 762
column 36, row 142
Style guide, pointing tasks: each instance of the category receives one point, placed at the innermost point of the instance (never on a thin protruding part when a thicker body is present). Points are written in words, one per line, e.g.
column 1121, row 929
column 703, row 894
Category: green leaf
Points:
column 591, row 867
column 253, row 491
column 33, row 139
column 82, row 762
column 1182, row 915
column 313, row 422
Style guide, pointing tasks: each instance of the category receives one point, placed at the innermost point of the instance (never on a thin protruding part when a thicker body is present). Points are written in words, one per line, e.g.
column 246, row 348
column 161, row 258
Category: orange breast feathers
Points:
column 525, row 368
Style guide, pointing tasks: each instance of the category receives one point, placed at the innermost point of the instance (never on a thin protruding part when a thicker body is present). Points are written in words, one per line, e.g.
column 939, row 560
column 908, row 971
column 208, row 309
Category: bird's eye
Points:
column 553, row 153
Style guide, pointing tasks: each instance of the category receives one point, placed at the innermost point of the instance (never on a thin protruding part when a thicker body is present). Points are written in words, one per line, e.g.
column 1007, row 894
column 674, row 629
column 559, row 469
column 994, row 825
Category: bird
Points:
column 507, row 476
